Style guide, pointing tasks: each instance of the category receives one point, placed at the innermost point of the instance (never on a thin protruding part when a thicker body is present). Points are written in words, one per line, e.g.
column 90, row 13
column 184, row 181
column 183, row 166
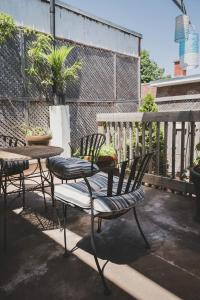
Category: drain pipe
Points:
column 52, row 20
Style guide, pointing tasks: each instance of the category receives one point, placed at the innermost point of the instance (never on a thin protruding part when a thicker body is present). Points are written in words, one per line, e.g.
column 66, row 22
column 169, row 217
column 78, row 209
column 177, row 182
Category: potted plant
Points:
column 54, row 66
column 107, row 157
column 36, row 135
column 195, row 177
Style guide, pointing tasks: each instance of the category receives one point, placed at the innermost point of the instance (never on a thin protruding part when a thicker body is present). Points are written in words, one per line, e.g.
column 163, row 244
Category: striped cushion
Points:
column 14, row 167
column 77, row 195
column 70, row 168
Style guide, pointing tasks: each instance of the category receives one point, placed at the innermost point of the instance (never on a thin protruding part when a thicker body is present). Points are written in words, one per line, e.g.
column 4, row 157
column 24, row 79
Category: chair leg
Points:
column 52, row 190
column 66, row 254
column 20, row 184
column 106, row 289
column 4, row 188
column 140, row 229
column 0, row 184
column 99, row 225
column 23, row 191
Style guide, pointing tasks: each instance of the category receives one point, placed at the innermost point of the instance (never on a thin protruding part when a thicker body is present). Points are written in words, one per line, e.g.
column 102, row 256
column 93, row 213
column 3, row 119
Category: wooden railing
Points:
column 172, row 135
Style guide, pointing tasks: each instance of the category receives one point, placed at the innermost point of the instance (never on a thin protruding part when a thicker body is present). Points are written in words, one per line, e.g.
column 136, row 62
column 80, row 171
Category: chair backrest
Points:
column 10, row 141
column 91, row 145
column 136, row 173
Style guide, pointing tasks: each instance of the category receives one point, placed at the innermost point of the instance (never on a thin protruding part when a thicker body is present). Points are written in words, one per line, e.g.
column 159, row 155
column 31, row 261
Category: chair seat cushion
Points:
column 14, row 167
column 71, row 168
column 77, row 194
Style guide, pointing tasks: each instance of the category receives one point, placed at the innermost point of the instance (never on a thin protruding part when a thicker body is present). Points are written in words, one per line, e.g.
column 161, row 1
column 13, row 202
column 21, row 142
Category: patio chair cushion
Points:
column 71, row 168
column 14, row 167
column 77, row 194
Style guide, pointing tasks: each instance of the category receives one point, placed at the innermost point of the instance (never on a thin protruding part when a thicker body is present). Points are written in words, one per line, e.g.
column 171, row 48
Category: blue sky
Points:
column 155, row 19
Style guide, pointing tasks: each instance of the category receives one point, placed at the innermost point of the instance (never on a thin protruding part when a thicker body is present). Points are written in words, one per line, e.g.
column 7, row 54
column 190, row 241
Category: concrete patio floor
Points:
column 34, row 266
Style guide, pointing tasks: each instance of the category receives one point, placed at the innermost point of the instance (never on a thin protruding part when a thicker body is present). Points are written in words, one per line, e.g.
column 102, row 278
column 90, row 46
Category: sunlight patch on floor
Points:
column 125, row 277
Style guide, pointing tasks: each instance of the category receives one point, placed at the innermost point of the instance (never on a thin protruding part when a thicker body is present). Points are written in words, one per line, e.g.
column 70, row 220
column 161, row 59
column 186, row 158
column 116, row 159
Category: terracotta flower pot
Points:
column 107, row 161
column 38, row 139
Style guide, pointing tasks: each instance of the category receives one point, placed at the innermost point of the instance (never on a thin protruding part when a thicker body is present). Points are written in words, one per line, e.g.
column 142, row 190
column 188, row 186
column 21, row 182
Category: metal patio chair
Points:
column 90, row 146
column 72, row 168
column 8, row 172
column 105, row 196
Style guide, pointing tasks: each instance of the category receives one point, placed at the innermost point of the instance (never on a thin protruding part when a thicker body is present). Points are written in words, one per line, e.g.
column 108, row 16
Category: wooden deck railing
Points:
column 172, row 135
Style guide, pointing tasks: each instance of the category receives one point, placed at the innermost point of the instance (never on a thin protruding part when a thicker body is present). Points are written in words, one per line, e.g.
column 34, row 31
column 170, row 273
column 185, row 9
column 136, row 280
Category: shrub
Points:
column 149, row 105
column 7, row 27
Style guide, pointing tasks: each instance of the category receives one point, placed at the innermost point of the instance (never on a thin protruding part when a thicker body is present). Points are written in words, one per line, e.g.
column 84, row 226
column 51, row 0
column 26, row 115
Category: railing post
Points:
column 165, row 148
column 107, row 133
column 182, row 150
column 173, row 148
column 192, row 141
column 130, row 141
column 157, row 148
column 150, row 145
column 124, row 141
column 143, row 139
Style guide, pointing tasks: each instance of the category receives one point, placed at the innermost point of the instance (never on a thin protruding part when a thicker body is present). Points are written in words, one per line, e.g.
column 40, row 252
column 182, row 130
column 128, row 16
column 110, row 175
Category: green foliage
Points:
column 29, row 31
column 197, row 160
column 49, row 64
column 7, row 27
column 149, row 69
column 30, row 130
column 148, row 104
column 107, row 150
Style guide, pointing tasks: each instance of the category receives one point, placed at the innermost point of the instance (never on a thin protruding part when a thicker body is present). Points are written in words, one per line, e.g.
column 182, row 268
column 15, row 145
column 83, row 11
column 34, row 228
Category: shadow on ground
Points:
column 34, row 266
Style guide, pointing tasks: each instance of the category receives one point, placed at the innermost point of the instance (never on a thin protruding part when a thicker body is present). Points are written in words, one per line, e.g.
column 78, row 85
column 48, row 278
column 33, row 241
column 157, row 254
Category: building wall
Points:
column 147, row 88
column 108, row 80
column 71, row 24
column 178, row 90
column 179, row 105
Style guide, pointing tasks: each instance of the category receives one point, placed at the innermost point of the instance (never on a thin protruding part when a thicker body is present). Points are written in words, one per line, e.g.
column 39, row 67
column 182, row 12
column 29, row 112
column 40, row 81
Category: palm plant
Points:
column 48, row 64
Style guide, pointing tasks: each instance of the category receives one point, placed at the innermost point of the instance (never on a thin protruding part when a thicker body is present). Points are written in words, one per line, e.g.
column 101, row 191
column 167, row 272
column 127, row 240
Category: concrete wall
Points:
column 72, row 24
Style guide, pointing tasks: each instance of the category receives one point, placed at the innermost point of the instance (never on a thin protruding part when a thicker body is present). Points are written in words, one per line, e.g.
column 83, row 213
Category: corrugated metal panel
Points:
column 71, row 25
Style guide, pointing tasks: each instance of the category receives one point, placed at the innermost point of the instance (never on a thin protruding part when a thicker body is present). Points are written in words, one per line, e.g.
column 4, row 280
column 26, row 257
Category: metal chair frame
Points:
column 90, row 145
column 134, row 181
column 5, row 179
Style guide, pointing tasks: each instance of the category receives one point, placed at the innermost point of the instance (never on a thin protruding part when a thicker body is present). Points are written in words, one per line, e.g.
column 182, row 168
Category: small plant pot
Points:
column 195, row 177
column 38, row 140
column 87, row 157
column 105, row 162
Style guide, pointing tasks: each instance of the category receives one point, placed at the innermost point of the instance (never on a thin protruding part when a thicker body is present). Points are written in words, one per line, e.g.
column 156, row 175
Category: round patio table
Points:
column 29, row 152
column 26, row 153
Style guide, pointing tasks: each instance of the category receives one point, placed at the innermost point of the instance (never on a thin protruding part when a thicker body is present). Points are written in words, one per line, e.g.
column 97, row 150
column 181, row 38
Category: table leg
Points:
column 52, row 189
column 4, row 188
column 42, row 182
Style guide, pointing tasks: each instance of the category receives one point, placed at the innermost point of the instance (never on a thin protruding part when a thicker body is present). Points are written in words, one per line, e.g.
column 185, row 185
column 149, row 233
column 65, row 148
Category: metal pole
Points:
column 180, row 5
column 139, row 72
column 52, row 20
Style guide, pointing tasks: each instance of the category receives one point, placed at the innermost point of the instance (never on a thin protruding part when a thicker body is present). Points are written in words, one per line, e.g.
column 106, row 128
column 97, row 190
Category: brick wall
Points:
column 178, row 90
column 147, row 88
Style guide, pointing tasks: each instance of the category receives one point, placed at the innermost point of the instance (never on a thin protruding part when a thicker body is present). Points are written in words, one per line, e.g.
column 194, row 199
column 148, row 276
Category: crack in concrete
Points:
column 176, row 266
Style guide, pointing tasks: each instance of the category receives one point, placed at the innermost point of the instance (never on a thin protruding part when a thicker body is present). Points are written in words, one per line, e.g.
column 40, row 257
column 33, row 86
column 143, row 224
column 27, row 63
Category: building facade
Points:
column 109, row 80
